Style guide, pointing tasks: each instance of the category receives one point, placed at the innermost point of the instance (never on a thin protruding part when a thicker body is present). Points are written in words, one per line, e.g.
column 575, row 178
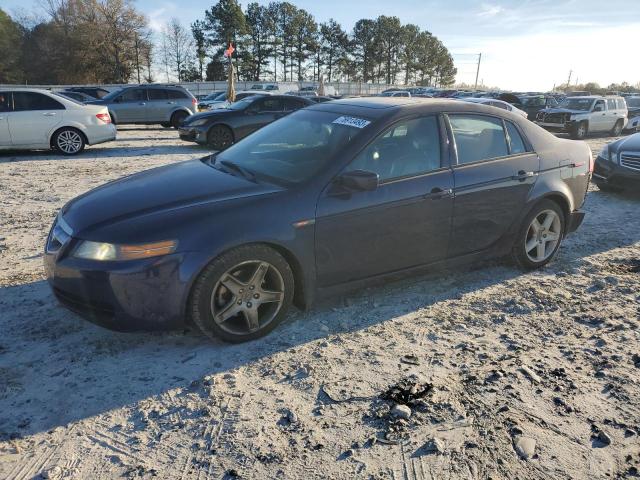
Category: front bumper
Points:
column 611, row 173
column 194, row 134
column 149, row 294
column 566, row 127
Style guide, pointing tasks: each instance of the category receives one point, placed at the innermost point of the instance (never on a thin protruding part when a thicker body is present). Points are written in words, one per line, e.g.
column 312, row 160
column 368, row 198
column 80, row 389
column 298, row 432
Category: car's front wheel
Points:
column 580, row 131
column 220, row 137
column 540, row 235
column 243, row 294
column 177, row 118
column 68, row 141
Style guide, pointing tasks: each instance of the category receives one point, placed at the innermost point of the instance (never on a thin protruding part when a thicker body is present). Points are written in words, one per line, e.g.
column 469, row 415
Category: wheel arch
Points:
column 222, row 124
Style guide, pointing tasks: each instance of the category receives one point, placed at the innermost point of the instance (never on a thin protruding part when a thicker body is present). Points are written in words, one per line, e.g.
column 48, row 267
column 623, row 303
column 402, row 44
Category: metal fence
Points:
column 205, row 88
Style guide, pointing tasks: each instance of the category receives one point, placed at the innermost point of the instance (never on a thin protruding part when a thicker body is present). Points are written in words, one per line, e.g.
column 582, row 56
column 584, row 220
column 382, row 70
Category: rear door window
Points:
column 26, row 101
column 291, row 104
column 157, row 94
column 478, row 137
column 270, row 105
column 621, row 104
column 407, row 149
column 611, row 103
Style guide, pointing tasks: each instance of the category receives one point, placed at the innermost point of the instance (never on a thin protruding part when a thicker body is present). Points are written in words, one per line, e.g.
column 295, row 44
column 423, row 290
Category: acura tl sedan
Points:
column 335, row 195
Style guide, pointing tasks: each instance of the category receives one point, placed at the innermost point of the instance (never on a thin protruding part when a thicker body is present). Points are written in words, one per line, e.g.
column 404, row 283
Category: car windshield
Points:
column 112, row 94
column 633, row 102
column 583, row 104
column 295, row 148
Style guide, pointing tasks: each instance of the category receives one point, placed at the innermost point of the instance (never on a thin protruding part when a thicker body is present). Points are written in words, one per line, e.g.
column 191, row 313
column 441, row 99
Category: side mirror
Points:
column 359, row 180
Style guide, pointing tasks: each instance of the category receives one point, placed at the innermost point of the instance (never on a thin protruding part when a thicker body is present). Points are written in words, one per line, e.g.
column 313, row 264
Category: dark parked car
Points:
column 618, row 165
column 95, row 92
column 77, row 96
column 167, row 105
column 320, row 99
column 633, row 115
column 331, row 196
column 222, row 127
column 531, row 104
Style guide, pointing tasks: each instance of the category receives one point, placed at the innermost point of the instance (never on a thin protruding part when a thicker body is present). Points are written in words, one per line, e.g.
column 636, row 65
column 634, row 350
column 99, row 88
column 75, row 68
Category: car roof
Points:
column 378, row 107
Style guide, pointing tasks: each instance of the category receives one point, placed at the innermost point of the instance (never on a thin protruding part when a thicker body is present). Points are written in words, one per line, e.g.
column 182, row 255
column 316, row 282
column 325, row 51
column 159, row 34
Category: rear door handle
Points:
column 171, row 103
column 49, row 114
column 438, row 193
column 522, row 175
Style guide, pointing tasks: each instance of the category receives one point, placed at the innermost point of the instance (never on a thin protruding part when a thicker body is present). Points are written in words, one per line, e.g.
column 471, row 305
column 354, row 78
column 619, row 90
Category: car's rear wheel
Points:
column 69, row 141
column 243, row 294
column 580, row 131
column 220, row 137
column 540, row 236
column 177, row 118
column 617, row 129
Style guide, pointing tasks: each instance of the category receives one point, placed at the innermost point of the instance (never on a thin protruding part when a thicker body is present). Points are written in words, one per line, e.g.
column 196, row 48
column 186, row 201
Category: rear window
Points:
column 176, row 94
column 23, row 101
column 478, row 138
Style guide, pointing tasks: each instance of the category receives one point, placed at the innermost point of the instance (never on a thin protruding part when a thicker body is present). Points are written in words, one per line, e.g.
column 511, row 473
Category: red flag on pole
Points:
column 229, row 51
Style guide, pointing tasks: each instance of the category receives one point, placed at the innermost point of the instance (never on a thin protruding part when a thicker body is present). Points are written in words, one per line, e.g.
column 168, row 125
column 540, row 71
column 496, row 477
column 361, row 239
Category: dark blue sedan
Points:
column 334, row 195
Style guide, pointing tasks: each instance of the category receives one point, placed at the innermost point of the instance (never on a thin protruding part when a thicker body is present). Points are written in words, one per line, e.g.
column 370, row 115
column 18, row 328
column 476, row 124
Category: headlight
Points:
column 607, row 154
column 110, row 252
column 199, row 122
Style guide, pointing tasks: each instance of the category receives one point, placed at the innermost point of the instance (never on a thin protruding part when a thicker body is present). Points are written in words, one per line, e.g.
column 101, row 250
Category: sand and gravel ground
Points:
column 495, row 364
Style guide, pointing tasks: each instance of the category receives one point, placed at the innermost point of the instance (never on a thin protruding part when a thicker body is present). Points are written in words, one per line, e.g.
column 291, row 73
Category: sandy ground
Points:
column 507, row 375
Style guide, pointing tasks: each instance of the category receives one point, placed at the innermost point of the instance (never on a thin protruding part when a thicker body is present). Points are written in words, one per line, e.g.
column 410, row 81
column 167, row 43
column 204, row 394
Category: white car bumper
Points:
column 101, row 133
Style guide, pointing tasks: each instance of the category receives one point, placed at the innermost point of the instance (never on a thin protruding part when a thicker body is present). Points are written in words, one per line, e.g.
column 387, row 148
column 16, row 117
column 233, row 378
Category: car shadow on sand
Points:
column 56, row 368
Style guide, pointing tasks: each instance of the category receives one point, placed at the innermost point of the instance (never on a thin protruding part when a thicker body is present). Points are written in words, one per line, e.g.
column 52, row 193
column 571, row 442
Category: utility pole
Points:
column 569, row 80
column 478, row 70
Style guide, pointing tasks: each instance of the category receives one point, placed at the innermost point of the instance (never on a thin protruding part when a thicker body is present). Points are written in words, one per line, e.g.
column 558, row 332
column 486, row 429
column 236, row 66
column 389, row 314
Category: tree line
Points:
column 109, row 41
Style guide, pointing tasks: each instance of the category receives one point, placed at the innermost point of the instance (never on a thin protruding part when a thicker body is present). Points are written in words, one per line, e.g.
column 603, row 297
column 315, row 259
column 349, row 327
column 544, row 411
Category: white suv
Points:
column 579, row 116
column 39, row 119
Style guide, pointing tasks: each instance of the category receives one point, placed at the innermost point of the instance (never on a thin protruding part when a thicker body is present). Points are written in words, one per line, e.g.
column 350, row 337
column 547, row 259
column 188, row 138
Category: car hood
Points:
column 630, row 143
column 161, row 189
column 208, row 114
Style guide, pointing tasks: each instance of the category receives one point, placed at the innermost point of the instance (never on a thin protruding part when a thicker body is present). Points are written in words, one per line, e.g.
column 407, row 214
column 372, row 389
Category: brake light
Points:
column 591, row 161
column 105, row 117
column 194, row 102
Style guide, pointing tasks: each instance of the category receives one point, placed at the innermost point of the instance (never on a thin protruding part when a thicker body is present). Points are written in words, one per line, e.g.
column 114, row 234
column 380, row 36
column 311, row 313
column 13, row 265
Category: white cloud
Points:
column 489, row 10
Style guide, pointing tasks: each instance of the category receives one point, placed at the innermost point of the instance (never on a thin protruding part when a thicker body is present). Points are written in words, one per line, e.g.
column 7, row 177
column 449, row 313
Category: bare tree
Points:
column 179, row 46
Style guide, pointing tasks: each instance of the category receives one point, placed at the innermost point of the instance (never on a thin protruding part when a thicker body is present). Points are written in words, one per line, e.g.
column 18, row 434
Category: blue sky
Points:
column 525, row 44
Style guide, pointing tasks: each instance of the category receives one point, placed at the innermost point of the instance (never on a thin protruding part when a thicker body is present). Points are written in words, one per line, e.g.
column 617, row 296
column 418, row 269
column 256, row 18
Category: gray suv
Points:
column 166, row 105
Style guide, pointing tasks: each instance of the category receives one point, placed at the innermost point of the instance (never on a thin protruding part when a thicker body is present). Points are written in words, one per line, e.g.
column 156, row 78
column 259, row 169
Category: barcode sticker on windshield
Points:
column 352, row 122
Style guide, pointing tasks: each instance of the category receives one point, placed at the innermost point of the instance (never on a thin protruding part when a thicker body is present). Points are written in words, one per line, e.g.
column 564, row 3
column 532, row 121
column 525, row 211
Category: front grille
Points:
column 555, row 118
column 630, row 160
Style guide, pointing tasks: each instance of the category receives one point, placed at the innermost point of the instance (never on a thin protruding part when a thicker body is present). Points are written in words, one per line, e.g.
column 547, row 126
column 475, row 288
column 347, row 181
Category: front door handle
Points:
column 49, row 114
column 438, row 193
column 522, row 175
column 142, row 103
column 171, row 103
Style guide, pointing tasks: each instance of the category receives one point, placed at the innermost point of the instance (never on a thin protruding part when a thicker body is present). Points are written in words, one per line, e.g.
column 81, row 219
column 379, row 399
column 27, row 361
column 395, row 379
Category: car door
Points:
column 598, row 121
column 5, row 136
column 494, row 172
column 131, row 106
column 33, row 118
column 613, row 113
column 292, row 104
column 404, row 222
column 158, row 105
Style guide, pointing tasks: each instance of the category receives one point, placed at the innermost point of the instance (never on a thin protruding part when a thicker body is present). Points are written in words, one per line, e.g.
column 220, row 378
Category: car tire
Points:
column 580, row 131
column 529, row 239
column 243, row 294
column 68, row 141
column 616, row 131
column 177, row 118
column 219, row 137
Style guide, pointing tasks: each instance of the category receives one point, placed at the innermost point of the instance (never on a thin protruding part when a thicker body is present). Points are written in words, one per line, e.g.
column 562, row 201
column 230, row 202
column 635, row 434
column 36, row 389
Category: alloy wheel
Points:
column 220, row 138
column 247, row 297
column 543, row 236
column 69, row 141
